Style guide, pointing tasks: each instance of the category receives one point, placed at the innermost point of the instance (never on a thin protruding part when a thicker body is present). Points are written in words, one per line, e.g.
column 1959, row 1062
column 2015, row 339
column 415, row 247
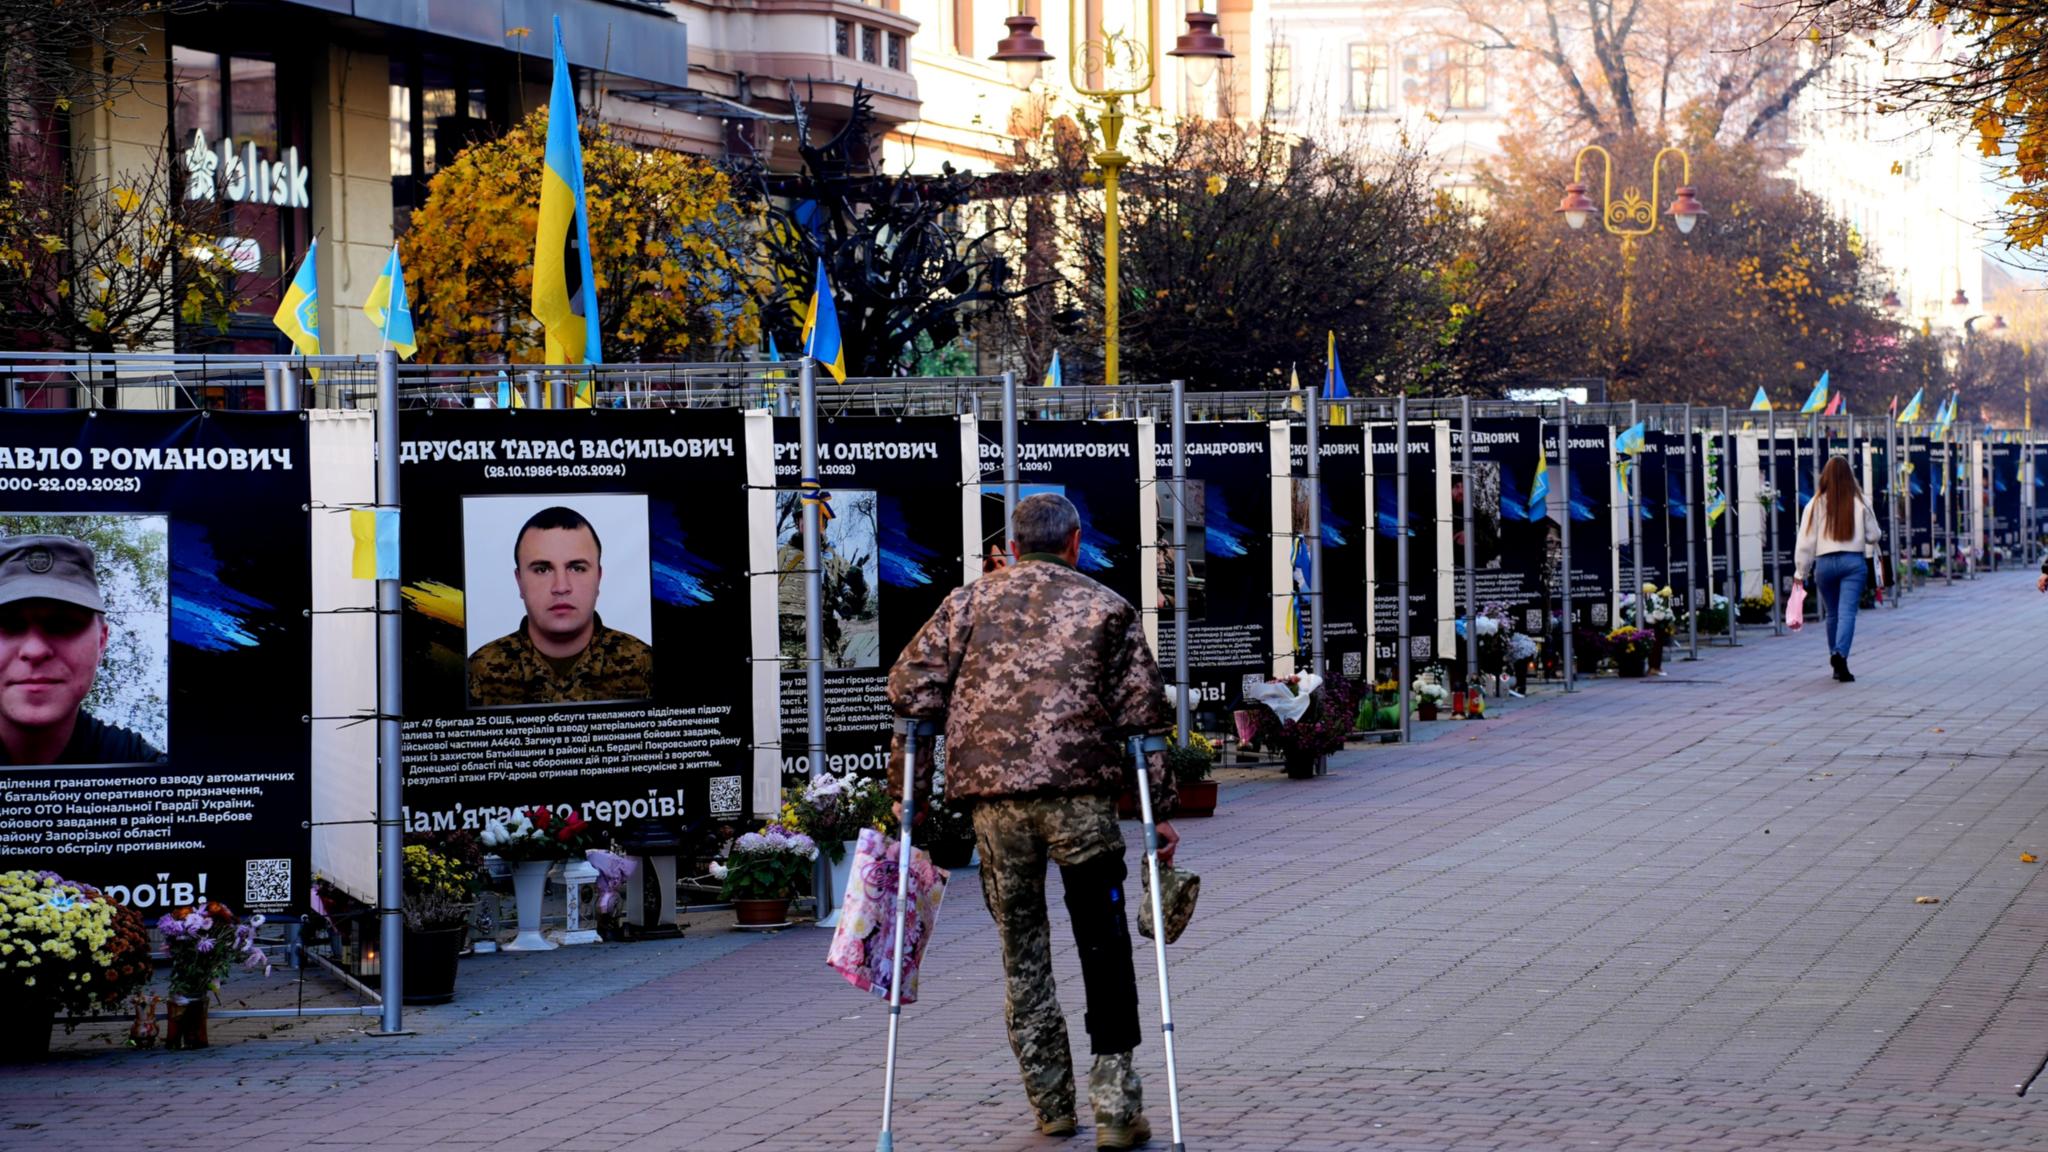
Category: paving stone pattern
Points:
column 1677, row 913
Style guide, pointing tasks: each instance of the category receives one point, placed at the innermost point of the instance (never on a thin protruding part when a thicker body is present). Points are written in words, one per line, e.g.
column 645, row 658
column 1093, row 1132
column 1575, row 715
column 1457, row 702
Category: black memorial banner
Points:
column 1918, row 493
column 1651, row 512
column 2038, row 454
column 1232, row 472
column 2006, row 514
column 1095, row 464
column 906, row 519
column 1510, row 536
column 166, row 758
column 1716, row 505
column 1589, row 498
column 1676, row 514
column 1779, row 468
column 579, row 618
column 1431, row 631
column 1346, row 536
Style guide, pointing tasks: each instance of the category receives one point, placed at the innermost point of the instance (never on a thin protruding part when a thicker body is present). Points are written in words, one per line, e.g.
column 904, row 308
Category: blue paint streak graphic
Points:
column 205, row 613
column 1095, row 543
column 678, row 573
column 903, row 560
column 1333, row 524
column 1222, row 535
column 1514, row 503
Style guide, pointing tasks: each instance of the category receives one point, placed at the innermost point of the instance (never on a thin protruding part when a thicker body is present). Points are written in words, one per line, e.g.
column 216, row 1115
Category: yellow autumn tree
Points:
column 668, row 244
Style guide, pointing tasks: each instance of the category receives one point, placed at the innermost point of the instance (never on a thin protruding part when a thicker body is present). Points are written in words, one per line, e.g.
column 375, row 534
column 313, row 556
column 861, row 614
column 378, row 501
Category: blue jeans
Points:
column 1840, row 577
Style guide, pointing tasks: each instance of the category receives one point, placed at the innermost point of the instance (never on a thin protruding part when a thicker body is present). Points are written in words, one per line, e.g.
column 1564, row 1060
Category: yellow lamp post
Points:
column 1126, row 68
column 1631, row 216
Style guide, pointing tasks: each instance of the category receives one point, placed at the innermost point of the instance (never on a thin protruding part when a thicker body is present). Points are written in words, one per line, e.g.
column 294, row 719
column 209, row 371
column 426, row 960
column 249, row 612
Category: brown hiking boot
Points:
column 1057, row 1126
column 1132, row 1135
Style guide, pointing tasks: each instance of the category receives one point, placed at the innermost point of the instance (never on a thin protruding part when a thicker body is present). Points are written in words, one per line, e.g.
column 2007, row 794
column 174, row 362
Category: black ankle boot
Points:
column 1842, row 672
column 1836, row 662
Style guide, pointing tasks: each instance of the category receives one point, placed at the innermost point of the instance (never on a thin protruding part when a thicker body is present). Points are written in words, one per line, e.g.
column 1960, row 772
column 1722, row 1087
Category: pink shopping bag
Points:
column 1795, row 607
column 861, row 947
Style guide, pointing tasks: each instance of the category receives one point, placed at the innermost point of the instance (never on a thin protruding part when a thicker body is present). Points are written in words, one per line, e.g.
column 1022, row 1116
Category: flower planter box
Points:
column 1197, row 799
column 430, row 963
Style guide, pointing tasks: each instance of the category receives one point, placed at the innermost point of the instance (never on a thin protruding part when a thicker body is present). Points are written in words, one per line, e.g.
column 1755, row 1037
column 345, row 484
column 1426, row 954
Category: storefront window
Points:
column 234, row 149
column 440, row 105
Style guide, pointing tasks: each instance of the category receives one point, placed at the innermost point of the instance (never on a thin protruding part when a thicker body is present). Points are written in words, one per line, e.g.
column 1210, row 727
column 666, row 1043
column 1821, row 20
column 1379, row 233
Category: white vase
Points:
column 842, row 875
column 577, row 877
column 529, row 882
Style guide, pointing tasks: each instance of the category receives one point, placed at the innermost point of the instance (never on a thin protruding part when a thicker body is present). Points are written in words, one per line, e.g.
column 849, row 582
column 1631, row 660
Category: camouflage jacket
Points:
column 1041, row 674
column 510, row 670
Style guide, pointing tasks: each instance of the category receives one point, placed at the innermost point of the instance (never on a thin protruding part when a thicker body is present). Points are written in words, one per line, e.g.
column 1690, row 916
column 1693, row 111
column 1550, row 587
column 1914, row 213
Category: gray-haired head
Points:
column 1043, row 522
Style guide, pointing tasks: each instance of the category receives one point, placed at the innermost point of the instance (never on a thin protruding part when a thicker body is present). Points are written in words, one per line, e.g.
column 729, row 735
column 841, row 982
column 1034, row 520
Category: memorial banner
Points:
column 156, row 647
column 905, row 530
column 1675, row 519
column 1095, row 464
column 1916, row 492
column 1239, row 497
column 1511, row 537
column 1789, row 492
column 581, row 625
column 1588, row 497
column 1346, row 614
column 2006, row 489
column 1718, row 510
column 1432, row 628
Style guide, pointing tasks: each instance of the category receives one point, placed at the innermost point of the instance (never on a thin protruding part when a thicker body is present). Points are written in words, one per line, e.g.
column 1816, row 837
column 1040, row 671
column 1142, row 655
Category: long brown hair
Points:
column 1838, row 497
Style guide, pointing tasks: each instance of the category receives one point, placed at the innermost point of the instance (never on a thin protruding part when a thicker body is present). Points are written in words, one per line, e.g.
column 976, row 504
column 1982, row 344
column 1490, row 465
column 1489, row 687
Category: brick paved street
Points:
column 1667, row 914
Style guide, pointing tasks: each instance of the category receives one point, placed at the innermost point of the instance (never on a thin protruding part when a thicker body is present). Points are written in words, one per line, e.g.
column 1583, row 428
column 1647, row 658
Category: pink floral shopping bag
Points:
column 867, row 916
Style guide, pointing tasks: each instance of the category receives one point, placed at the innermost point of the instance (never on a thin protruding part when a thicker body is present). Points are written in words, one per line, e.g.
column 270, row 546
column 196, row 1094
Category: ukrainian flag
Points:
column 1912, row 411
column 390, row 309
column 1539, row 488
column 1816, row 399
column 1334, row 387
column 1052, row 372
column 564, row 288
column 1717, row 506
column 298, row 315
column 1946, row 416
column 821, row 328
column 1762, row 403
column 1630, row 442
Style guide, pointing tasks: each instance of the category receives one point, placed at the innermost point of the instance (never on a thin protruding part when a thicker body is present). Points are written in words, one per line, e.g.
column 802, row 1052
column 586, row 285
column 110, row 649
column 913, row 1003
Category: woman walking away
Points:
column 1838, row 530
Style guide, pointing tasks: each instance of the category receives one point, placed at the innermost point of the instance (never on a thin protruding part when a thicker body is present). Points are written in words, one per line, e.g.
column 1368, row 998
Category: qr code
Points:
column 1533, row 622
column 1600, row 615
column 1250, row 683
column 725, row 795
column 1354, row 665
column 1420, row 648
column 267, row 881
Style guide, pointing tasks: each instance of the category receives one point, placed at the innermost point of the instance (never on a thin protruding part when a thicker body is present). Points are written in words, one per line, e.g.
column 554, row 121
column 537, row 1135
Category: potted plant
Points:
column 761, row 873
column 1191, row 761
column 1713, row 619
column 1522, row 652
column 1589, row 648
column 1757, row 609
column 1318, row 730
column 64, row 947
column 1630, row 648
column 1493, row 626
column 1657, row 617
column 532, row 841
column 440, row 891
column 1429, row 693
column 832, row 810
column 205, row 941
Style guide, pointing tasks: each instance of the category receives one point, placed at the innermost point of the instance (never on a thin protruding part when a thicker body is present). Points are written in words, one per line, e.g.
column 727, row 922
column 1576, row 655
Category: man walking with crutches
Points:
column 1041, row 675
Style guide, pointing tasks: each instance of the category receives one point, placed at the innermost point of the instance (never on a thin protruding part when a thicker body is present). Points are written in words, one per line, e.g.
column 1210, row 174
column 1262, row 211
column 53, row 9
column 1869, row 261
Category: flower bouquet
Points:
column 832, row 810
column 1589, row 649
column 1631, row 648
column 1429, row 692
column 1316, row 729
column 541, row 833
column 1713, row 619
column 762, row 870
column 1492, row 627
column 1191, row 761
column 1758, row 609
column 440, row 889
column 64, row 947
column 205, row 942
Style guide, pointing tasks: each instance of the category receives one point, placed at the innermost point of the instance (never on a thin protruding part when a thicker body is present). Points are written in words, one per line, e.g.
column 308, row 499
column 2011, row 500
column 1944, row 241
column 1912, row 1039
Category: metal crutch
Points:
column 1140, row 745
column 910, row 730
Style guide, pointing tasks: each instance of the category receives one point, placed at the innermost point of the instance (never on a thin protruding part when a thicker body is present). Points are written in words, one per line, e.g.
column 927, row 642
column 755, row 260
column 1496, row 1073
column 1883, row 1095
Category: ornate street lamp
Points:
column 1023, row 54
column 1631, row 216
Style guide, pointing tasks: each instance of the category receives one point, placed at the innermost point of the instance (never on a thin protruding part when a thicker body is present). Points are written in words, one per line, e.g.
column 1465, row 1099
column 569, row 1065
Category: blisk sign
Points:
column 219, row 174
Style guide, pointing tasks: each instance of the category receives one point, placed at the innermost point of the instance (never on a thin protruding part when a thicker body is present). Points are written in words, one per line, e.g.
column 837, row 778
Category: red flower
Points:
column 541, row 816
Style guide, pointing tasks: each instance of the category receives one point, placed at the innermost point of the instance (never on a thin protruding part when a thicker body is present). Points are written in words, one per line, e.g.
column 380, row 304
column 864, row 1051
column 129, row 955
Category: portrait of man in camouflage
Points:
column 849, row 564
column 561, row 652
column 1041, row 674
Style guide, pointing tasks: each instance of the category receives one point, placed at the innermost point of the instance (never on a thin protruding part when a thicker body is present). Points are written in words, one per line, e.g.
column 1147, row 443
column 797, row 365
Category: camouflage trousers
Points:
column 1079, row 833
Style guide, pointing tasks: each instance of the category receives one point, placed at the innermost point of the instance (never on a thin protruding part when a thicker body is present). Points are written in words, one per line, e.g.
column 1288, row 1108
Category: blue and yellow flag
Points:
column 821, row 328
column 1630, row 442
column 564, row 288
column 1717, row 505
column 1334, row 387
column 1762, row 403
column 1912, row 410
column 1946, row 416
column 1052, row 372
column 1816, row 399
column 1539, row 488
column 298, row 315
column 390, row 309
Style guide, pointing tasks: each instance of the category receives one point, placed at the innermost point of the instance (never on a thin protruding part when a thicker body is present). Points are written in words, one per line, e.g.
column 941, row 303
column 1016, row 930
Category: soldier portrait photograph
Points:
column 850, row 569
column 573, row 624
column 71, row 683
